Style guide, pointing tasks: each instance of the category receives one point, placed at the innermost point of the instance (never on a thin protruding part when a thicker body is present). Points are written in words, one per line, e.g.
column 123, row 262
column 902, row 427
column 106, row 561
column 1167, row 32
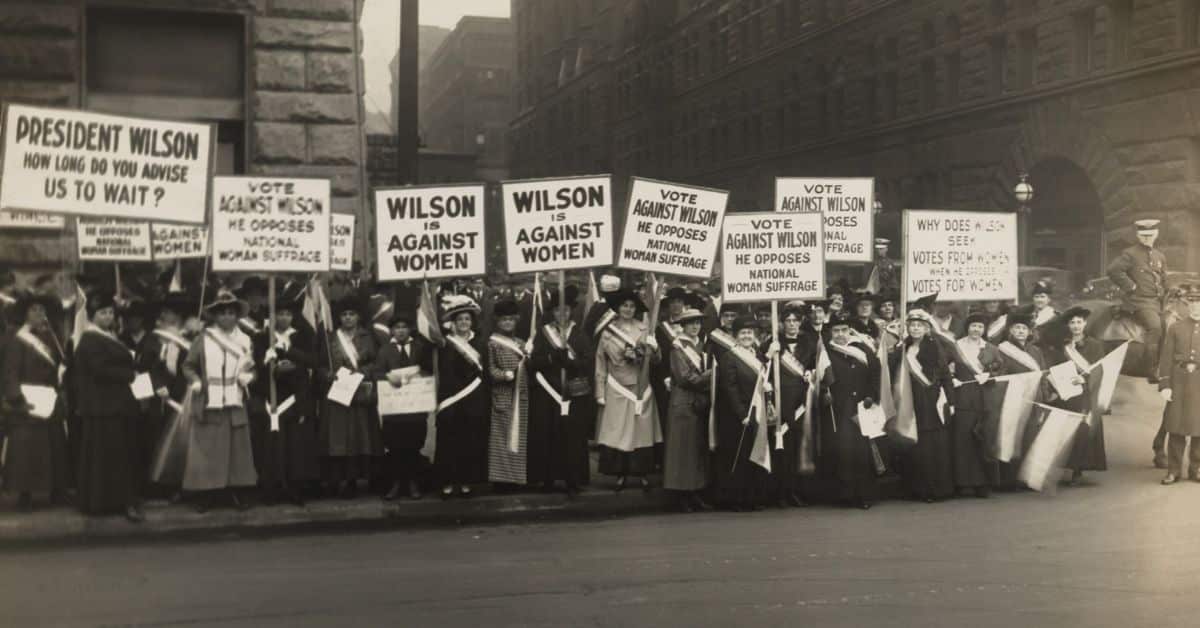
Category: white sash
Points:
column 465, row 349
column 510, row 344
column 639, row 404
column 686, row 348
column 220, row 375
column 1044, row 315
column 283, row 338
column 556, row 339
column 997, row 326
column 564, row 405
column 621, row 335
column 348, row 348
column 1081, row 362
column 670, row 331
column 249, row 325
column 849, row 351
column 722, row 337
column 858, row 336
column 1020, row 355
column 37, row 345
column 749, row 358
column 914, row 365
column 607, row 317
column 172, row 345
column 793, row 365
column 172, row 338
column 381, row 328
column 969, row 358
column 458, row 396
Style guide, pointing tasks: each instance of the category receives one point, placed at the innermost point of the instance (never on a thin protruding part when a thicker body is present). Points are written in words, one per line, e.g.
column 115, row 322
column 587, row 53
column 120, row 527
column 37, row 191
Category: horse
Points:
column 1113, row 323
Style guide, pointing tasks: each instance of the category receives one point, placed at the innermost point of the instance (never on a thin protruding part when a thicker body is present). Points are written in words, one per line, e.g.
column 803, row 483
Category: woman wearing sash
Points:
column 109, row 462
column 628, row 425
column 741, row 375
column 558, row 440
column 793, row 391
column 220, row 367
column 166, row 375
column 351, row 434
column 508, row 373
column 36, row 447
column 1087, row 451
column 931, row 476
column 463, row 399
column 1020, row 355
column 854, row 377
column 976, row 398
column 404, row 434
column 685, row 463
column 1043, row 313
column 291, row 446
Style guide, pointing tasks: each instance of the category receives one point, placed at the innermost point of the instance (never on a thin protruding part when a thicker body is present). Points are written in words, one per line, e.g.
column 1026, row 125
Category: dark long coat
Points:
column 974, row 405
column 558, row 445
column 36, row 459
column 292, row 454
column 111, row 463
column 847, row 452
column 738, row 480
column 1181, row 347
column 929, row 467
column 463, row 429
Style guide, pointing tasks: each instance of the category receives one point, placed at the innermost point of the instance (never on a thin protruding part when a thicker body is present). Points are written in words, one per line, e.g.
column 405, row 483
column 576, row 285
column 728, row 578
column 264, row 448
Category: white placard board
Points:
column 112, row 240
column 417, row 395
column 21, row 219
column 672, row 228
column 849, row 208
column 960, row 255
column 428, row 232
column 269, row 224
column 769, row 256
column 68, row 161
column 341, row 242
column 172, row 242
column 558, row 224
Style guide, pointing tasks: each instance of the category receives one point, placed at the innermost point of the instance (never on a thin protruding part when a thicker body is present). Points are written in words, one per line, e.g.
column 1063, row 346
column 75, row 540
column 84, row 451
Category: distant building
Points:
column 429, row 38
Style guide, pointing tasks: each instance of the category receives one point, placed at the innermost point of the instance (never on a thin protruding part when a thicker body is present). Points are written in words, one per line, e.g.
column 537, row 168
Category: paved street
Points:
column 1120, row 551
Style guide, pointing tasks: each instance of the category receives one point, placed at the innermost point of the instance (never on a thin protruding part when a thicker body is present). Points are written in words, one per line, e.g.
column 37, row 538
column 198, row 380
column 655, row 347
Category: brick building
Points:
column 280, row 78
column 944, row 102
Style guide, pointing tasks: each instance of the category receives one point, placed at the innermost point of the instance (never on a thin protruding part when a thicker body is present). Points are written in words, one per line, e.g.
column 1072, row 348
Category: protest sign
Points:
column 961, row 255
column 31, row 220
column 772, row 257
column 341, row 242
column 78, row 162
column 430, row 232
column 558, row 224
column 179, row 241
column 417, row 395
column 848, row 205
column 264, row 224
column 112, row 240
column 672, row 228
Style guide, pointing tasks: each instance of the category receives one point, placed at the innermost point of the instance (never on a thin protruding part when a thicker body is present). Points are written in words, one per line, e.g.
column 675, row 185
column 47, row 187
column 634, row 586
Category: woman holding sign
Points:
column 685, row 462
column 741, row 410
column 463, row 400
column 349, row 422
column 1071, row 343
column 628, row 425
column 508, row 371
column 976, row 401
column 927, row 392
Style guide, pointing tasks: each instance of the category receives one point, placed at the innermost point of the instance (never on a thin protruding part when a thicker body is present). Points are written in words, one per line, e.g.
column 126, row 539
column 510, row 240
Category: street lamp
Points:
column 878, row 207
column 1023, row 192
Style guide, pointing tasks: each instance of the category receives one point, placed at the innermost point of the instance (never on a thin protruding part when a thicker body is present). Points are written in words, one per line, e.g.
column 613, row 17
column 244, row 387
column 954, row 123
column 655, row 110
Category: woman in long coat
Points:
column 220, row 367
column 920, row 357
column 629, row 424
column 739, row 481
column 558, row 443
column 1020, row 355
column 290, row 453
column 793, row 392
column 1074, row 345
column 110, row 466
column 976, row 398
column 853, row 377
column 463, row 400
column 508, row 373
column 685, row 464
column 36, row 459
column 351, row 434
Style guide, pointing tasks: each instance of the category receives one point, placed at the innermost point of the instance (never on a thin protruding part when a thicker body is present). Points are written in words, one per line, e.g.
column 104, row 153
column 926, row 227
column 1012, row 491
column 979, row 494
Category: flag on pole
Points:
column 176, row 286
column 886, row 400
column 427, row 318
column 760, row 450
column 1109, row 370
column 806, row 460
column 81, row 317
column 873, row 286
column 1049, row 451
column 593, row 294
column 905, row 426
column 1004, row 437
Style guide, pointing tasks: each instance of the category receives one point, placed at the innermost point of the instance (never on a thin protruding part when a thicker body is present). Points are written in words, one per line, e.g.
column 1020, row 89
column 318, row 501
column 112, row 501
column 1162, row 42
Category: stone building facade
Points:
column 945, row 102
column 281, row 78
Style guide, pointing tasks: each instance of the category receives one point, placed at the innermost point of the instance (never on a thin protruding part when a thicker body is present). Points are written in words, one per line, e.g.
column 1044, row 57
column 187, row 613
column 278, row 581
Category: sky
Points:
column 381, row 36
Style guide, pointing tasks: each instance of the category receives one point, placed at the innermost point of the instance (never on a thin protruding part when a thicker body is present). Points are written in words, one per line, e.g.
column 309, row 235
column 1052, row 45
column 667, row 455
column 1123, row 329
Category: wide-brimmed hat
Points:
column 506, row 307
column 864, row 297
column 745, row 322
column 571, row 292
column 918, row 314
column 348, row 303
column 455, row 304
column 252, row 285
column 1019, row 316
column 615, row 299
column 688, row 315
column 28, row 299
column 730, row 308
column 1074, row 311
column 223, row 299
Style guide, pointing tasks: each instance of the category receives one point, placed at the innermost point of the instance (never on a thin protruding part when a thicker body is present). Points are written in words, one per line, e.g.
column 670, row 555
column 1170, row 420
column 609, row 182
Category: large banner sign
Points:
column 430, row 232
column 558, row 224
column 961, row 255
column 78, row 162
column 772, row 257
column 848, row 206
column 109, row 240
column 179, row 241
column 672, row 228
column 31, row 220
column 270, row 225
column 341, row 243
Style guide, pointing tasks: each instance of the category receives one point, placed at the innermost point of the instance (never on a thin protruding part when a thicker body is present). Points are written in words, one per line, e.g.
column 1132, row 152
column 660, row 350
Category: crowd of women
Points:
column 144, row 399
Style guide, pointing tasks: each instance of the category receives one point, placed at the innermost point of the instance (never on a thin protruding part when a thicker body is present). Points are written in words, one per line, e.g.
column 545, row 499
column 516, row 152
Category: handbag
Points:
column 579, row 387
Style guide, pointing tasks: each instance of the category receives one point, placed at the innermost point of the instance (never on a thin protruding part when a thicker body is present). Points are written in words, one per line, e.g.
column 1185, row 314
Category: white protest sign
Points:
column 179, row 241
column 417, row 396
column 111, row 240
column 558, row 224
column 772, row 257
column 78, row 162
column 672, row 228
column 341, row 242
column 849, row 208
column 961, row 255
column 31, row 220
column 430, row 232
column 264, row 224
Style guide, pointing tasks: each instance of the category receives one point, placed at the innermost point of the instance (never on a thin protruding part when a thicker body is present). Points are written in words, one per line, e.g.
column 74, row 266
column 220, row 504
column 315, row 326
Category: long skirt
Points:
column 930, row 467
column 685, row 465
column 504, row 463
column 626, row 440
column 403, row 439
column 35, row 457
column 462, row 435
column 219, row 452
column 737, row 480
column 148, row 431
column 291, row 455
column 108, row 471
column 1087, row 452
column 972, row 469
column 352, row 431
column 558, row 445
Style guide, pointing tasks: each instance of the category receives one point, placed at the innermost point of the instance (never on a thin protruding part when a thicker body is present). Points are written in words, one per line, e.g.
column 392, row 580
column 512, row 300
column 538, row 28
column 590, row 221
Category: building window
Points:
column 998, row 64
column 928, row 84
column 870, row 99
column 1189, row 16
column 1121, row 12
column 953, row 76
column 1085, row 34
column 1026, row 57
column 999, row 12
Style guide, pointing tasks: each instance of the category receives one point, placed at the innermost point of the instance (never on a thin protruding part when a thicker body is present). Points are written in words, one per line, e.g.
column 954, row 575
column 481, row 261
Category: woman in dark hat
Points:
column 1043, row 312
column 685, row 463
column 289, row 445
column 350, row 434
column 628, row 427
column 220, row 367
column 169, row 350
column 1074, row 345
column 109, row 465
column 404, row 357
column 786, row 467
column 929, row 389
column 739, row 417
column 1020, row 355
column 562, row 368
column 463, row 416
column 976, row 403
column 509, row 376
column 36, row 459
column 853, row 378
